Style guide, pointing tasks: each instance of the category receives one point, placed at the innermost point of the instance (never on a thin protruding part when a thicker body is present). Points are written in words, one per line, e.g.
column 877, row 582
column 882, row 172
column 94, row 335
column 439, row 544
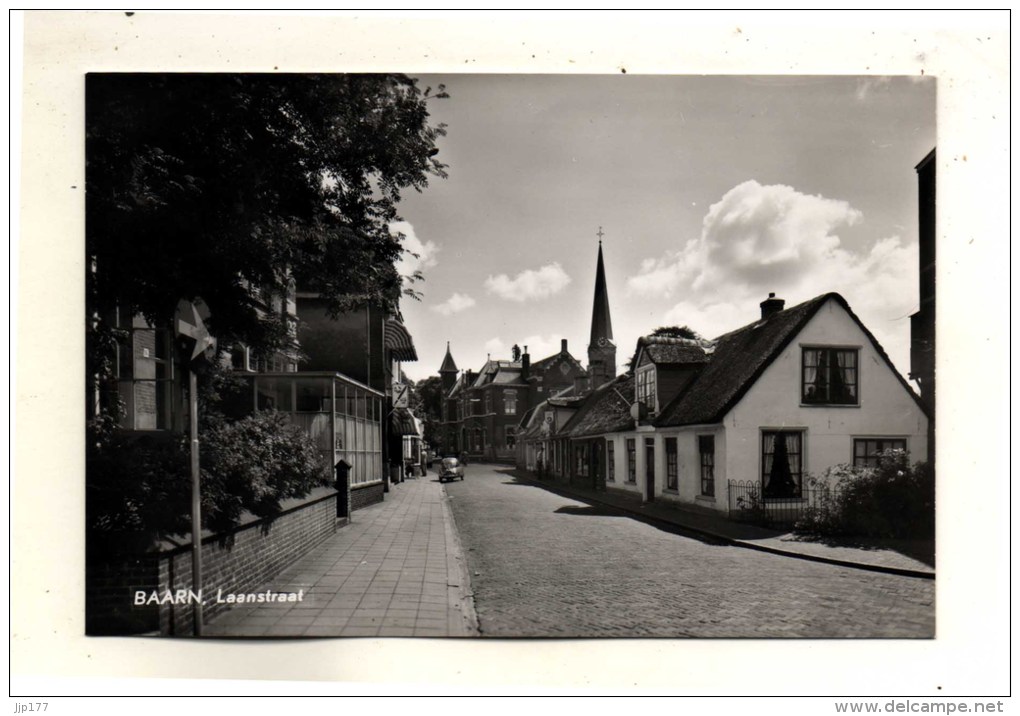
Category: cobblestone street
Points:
column 546, row 565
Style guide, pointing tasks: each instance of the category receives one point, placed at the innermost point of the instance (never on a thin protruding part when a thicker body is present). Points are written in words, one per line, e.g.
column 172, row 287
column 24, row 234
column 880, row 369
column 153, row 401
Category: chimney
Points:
column 771, row 306
column 525, row 364
column 563, row 345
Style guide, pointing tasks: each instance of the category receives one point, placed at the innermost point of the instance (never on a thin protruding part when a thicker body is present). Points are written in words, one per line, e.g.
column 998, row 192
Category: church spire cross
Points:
column 601, row 349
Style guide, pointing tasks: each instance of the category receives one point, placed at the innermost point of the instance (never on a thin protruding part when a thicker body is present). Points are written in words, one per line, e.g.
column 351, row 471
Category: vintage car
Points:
column 450, row 468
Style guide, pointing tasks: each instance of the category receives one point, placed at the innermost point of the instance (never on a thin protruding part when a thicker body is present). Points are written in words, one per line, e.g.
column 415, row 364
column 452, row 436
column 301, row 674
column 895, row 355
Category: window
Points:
column 781, row 464
column 239, row 358
column 706, row 449
column 866, row 450
column 145, row 378
column 610, row 461
column 511, row 436
column 510, row 402
column 646, row 387
column 581, row 460
column 357, row 419
column 829, row 376
column 485, row 438
column 632, row 461
column 672, row 473
column 488, row 402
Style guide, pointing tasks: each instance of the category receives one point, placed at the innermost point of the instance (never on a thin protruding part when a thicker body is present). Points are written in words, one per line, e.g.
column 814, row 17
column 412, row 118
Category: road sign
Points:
column 188, row 324
column 401, row 395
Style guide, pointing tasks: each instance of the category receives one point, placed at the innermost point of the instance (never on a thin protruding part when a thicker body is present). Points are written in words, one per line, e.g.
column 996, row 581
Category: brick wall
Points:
column 109, row 591
column 238, row 561
column 365, row 495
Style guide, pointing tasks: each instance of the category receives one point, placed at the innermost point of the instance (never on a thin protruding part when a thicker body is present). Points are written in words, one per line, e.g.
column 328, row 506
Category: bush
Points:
column 893, row 500
column 253, row 463
column 139, row 487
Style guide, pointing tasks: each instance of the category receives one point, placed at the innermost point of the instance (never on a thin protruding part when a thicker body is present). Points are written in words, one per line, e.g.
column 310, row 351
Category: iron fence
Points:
column 747, row 503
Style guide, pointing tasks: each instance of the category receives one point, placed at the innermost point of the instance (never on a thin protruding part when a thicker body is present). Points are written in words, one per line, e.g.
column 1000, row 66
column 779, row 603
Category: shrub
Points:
column 892, row 499
column 253, row 463
column 139, row 487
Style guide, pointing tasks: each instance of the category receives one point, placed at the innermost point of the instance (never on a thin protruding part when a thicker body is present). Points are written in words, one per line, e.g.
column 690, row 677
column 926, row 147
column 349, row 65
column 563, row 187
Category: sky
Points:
column 710, row 191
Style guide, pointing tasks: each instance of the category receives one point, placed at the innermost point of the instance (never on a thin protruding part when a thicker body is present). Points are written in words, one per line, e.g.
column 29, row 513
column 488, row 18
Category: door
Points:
column 649, row 469
column 598, row 477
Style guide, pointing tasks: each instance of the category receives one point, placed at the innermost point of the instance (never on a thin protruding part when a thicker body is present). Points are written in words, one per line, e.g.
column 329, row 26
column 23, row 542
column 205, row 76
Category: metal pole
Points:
column 196, row 503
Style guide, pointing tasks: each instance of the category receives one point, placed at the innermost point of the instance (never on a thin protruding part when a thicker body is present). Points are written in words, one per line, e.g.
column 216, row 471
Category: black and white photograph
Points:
column 421, row 355
column 496, row 355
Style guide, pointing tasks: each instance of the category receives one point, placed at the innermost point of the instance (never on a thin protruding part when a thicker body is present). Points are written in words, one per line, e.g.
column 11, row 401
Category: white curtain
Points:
column 768, row 449
column 847, row 361
column 810, row 371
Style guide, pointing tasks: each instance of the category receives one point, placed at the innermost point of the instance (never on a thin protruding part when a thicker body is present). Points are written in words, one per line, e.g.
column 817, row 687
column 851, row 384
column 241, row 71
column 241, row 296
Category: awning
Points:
column 398, row 340
column 403, row 422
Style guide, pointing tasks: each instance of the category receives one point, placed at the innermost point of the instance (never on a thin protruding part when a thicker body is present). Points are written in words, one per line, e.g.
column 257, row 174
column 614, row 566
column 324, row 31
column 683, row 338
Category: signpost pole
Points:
column 191, row 329
column 196, row 502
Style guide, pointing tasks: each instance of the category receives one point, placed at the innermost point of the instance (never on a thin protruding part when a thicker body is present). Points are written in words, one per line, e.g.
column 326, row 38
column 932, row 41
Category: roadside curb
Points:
column 884, row 569
column 461, row 594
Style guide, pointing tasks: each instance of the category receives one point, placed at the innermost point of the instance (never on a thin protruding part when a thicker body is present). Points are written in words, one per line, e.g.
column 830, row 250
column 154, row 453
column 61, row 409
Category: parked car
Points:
column 450, row 468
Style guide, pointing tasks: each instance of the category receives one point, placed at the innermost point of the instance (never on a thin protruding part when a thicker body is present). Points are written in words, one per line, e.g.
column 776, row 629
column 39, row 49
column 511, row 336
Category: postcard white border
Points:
column 967, row 52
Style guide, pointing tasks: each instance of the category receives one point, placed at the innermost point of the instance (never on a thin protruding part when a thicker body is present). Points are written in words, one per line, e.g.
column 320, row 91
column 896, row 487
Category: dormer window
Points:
column 829, row 376
column 646, row 392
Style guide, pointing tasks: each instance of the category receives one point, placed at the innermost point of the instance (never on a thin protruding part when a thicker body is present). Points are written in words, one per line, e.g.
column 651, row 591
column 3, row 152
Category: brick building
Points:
column 482, row 410
column 335, row 381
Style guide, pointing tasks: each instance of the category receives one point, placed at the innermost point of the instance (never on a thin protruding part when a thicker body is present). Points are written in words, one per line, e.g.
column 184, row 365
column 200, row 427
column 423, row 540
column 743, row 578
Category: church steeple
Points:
column 448, row 371
column 601, row 349
column 448, row 365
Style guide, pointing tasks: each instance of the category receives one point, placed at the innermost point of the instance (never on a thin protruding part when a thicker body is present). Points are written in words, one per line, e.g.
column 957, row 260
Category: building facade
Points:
column 769, row 405
column 367, row 346
column 922, row 323
column 483, row 411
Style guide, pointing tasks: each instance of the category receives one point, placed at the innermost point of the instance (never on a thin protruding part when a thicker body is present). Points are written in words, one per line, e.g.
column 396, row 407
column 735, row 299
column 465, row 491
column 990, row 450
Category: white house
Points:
column 785, row 397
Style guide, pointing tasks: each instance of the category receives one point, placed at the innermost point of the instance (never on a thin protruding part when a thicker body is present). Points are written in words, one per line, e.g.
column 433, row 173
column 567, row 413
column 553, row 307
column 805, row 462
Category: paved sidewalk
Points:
column 397, row 570
column 871, row 557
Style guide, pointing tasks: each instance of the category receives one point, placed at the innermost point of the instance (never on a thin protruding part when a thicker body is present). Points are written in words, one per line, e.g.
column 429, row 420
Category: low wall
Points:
column 365, row 495
column 239, row 561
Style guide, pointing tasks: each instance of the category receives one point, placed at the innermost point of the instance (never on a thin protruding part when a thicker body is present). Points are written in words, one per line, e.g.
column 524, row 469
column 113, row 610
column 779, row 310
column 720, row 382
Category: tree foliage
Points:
column 235, row 189
column 427, row 404
column 669, row 332
column 206, row 185
column 676, row 332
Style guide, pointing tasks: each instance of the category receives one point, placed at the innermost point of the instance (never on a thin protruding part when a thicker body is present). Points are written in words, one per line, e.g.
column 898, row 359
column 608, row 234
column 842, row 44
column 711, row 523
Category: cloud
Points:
column 530, row 284
column 418, row 255
column 540, row 347
column 454, row 304
column 496, row 347
column 757, row 236
column 758, row 239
